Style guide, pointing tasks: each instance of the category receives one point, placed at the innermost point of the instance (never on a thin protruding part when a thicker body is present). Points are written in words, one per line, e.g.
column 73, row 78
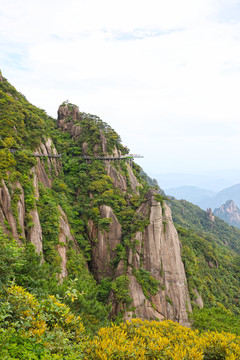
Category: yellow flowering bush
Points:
column 47, row 321
column 25, row 312
column 48, row 328
column 161, row 340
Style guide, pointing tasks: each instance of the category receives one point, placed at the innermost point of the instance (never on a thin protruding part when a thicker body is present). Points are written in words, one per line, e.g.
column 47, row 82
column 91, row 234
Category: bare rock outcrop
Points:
column 67, row 116
column 35, row 232
column 21, row 209
column 7, row 219
column 47, row 168
column 133, row 180
column 119, row 180
column 65, row 237
column 104, row 244
column 158, row 252
column 198, row 299
column 161, row 256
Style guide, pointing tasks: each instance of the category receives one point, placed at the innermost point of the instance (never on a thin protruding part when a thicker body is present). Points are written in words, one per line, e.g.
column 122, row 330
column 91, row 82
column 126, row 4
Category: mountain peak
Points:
column 229, row 212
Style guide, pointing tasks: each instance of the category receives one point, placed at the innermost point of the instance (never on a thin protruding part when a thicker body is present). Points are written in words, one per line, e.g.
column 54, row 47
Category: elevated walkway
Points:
column 86, row 157
column 38, row 155
column 111, row 158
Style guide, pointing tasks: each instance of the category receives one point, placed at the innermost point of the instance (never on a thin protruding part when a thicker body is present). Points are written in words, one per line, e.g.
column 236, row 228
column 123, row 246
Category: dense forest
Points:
column 74, row 255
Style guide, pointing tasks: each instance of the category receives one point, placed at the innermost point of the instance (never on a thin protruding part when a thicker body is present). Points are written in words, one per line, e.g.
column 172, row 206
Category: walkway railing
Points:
column 86, row 157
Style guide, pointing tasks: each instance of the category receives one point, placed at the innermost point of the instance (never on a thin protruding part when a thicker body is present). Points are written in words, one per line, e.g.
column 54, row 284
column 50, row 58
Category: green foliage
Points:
column 192, row 217
column 210, row 254
column 104, row 289
column 25, row 161
column 103, row 224
column 7, row 163
column 149, row 284
column 210, row 269
column 83, row 286
column 21, row 124
column 120, row 290
column 38, row 327
column 160, row 198
column 11, row 258
column 216, row 319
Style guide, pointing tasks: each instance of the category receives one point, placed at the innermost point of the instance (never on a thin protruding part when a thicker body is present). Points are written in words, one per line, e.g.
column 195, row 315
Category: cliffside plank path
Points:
column 128, row 157
column 38, row 155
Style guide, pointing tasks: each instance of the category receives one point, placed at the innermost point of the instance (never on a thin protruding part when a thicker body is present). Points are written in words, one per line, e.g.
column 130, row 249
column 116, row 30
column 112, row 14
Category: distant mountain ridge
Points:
column 206, row 198
column 230, row 193
column 192, row 194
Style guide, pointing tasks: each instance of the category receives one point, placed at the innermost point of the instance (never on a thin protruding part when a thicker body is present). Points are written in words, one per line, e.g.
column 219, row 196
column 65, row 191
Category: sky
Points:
column 165, row 74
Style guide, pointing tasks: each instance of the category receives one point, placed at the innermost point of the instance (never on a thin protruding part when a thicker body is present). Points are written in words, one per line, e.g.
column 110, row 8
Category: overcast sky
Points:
column 165, row 74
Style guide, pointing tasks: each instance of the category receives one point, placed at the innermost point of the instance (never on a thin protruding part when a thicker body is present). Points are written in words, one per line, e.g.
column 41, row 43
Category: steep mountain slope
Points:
column 79, row 204
column 211, row 254
column 105, row 241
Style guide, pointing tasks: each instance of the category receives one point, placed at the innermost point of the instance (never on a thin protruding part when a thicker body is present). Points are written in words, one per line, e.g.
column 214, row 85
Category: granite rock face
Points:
column 48, row 168
column 14, row 222
column 67, row 116
column 162, row 258
column 65, row 237
column 104, row 244
column 10, row 224
column 158, row 252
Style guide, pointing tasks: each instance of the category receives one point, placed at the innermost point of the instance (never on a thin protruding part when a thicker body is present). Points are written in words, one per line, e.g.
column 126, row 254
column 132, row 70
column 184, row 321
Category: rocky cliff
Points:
column 23, row 222
column 152, row 254
column 85, row 201
column 158, row 252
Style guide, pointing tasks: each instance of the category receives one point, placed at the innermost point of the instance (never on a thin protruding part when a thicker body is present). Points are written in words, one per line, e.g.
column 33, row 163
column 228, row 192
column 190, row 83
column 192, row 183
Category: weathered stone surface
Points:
column 104, row 244
column 116, row 152
column 161, row 256
column 35, row 183
column 158, row 252
column 67, row 116
column 35, row 232
column 42, row 175
column 47, row 168
column 103, row 142
column 85, row 148
column 198, row 299
column 133, row 180
column 67, row 113
column 21, row 209
column 6, row 214
column 143, row 307
column 65, row 237
column 119, row 180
